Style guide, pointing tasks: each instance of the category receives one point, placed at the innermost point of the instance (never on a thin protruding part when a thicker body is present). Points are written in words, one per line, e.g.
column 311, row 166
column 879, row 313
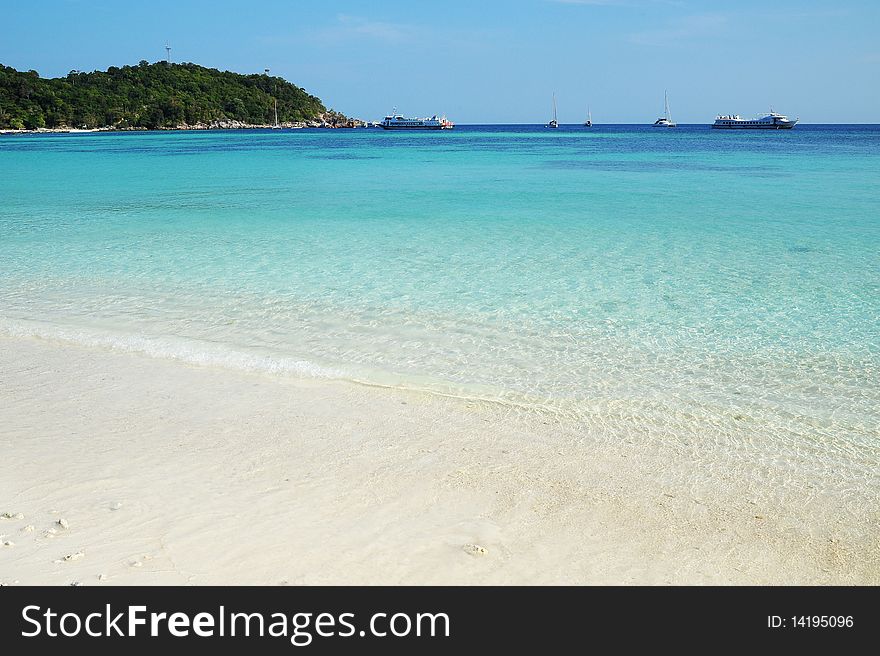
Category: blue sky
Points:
column 494, row 61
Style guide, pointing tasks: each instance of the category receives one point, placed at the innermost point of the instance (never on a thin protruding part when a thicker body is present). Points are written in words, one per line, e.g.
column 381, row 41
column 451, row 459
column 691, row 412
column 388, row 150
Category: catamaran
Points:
column 665, row 121
column 554, row 123
column 589, row 122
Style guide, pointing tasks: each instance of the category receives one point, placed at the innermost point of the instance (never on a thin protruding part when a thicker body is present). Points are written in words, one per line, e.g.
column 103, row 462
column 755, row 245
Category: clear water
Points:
column 685, row 282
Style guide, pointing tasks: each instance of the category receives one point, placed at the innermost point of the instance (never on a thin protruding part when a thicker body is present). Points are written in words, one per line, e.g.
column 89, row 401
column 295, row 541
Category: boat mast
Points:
column 276, row 112
column 554, row 109
column 666, row 105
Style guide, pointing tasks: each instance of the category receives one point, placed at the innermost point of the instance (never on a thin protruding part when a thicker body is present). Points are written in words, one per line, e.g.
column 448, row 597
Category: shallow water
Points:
column 688, row 284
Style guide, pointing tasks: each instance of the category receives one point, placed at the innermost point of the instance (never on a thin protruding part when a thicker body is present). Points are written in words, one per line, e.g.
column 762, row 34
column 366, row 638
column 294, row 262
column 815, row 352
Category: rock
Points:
column 475, row 550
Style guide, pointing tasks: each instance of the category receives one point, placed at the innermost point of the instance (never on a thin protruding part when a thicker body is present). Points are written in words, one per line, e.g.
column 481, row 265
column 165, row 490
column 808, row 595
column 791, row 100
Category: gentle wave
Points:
column 189, row 351
column 212, row 354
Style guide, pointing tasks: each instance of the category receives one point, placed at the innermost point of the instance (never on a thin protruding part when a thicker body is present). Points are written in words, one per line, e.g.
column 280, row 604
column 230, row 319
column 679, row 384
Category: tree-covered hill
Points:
column 148, row 96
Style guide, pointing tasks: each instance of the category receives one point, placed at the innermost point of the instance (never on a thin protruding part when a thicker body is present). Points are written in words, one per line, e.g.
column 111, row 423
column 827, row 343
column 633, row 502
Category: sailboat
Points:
column 665, row 121
column 553, row 123
column 277, row 125
column 589, row 122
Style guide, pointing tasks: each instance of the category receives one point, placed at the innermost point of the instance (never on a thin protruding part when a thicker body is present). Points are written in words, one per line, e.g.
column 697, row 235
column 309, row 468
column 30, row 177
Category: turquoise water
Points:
column 689, row 281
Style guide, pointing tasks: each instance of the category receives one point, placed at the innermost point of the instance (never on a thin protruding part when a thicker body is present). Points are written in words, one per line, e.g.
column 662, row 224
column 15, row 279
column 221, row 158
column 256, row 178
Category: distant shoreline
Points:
column 217, row 125
column 355, row 123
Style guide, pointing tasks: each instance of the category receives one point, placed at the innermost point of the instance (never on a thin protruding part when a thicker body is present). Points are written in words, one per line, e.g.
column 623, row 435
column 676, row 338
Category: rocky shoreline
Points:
column 324, row 122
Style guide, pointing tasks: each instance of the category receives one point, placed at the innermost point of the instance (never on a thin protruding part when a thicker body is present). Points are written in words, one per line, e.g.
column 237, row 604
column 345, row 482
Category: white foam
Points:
column 195, row 352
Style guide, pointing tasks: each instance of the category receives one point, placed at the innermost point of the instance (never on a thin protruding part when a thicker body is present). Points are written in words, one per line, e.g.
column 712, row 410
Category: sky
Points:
column 493, row 61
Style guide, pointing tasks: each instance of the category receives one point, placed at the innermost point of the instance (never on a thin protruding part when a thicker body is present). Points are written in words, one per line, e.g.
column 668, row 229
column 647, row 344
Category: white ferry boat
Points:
column 771, row 121
column 398, row 122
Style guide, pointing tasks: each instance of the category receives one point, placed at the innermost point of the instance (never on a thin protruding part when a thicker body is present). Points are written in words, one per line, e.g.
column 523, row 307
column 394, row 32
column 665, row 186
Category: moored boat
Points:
column 554, row 123
column 398, row 122
column 665, row 121
column 771, row 121
column 276, row 125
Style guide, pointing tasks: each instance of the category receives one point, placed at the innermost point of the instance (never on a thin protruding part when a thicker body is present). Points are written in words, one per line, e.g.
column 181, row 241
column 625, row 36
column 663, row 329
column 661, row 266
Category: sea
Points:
column 687, row 285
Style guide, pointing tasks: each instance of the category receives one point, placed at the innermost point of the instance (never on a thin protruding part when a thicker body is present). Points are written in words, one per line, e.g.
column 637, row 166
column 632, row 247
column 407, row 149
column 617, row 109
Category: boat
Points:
column 554, row 123
column 398, row 122
column 589, row 122
column 771, row 121
column 665, row 121
column 277, row 125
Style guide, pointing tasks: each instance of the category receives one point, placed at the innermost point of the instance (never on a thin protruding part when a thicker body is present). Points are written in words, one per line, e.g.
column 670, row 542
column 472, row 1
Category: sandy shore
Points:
column 121, row 469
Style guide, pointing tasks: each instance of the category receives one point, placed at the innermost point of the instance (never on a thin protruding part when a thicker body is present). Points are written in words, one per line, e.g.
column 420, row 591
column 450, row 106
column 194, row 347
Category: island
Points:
column 157, row 96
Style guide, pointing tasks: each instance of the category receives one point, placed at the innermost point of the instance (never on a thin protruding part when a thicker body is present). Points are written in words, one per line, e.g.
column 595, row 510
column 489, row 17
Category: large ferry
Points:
column 398, row 122
column 771, row 121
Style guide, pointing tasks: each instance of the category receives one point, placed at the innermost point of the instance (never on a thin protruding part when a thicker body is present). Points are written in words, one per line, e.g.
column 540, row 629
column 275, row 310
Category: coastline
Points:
column 169, row 473
column 214, row 125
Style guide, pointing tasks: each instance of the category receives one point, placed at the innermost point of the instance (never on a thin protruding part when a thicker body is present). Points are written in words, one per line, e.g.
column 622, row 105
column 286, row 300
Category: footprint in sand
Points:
column 10, row 515
column 8, row 543
column 475, row 550
column 63, row 523
column 28, row 529
column 140, row 563
column 71, row 557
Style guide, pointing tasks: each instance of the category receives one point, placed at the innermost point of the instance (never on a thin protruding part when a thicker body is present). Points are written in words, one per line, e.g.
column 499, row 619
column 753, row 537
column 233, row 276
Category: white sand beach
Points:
column 119, row 469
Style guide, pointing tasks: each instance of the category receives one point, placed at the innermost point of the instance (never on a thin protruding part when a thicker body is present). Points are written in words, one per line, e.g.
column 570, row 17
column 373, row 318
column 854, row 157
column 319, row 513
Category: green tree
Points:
column 34, row 120
column 148, row 95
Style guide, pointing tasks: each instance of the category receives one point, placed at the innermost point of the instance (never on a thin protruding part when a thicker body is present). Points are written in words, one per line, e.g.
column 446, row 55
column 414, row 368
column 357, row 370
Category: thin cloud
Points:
column 352, row 29
column 348, row 28
column 618, row 3
column 591, row 2
column 687, row 28
column 809, row 13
